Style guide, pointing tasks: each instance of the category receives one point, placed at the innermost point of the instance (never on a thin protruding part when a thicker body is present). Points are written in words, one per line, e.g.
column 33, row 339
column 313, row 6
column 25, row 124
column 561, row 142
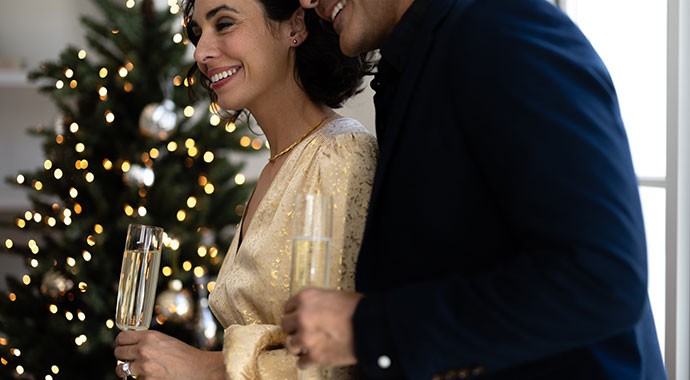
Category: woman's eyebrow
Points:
column 214, row 11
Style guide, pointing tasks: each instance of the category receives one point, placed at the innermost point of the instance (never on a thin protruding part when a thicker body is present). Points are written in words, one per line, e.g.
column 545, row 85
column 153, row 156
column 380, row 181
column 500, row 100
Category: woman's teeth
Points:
column 222, row 75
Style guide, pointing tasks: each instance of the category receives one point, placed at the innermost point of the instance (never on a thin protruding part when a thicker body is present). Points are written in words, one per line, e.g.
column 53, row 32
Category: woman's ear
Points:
column 298, row 28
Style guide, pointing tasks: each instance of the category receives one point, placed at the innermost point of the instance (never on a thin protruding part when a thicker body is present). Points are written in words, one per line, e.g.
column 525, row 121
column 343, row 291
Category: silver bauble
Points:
column 158, row 119
column 140, row 175
column 174, row 305
column 55, row 284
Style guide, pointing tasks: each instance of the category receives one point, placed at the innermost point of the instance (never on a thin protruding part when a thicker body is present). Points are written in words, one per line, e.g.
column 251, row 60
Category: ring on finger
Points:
column 126, row 369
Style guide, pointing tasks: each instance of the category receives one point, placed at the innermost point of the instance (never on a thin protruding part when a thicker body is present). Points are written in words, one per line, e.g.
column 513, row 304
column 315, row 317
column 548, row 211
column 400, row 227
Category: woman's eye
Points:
column 224, row 24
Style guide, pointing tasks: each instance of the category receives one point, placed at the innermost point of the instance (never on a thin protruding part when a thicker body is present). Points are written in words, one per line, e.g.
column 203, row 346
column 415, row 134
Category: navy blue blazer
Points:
column 505, row 237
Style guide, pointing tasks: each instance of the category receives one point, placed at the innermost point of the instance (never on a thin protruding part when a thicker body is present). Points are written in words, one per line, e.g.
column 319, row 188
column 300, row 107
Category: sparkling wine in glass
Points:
column 136, row 291
column 311, row 249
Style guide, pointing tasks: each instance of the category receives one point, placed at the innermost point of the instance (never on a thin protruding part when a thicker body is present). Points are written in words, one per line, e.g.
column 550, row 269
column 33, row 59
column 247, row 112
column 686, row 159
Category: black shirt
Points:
column 395, row 54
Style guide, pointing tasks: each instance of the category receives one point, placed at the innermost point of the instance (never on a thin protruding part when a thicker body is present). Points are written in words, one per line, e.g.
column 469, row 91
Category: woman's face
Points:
column 246, row 60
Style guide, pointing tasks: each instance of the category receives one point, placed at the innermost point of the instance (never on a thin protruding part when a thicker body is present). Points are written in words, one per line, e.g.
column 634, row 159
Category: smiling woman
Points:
column 278, row 63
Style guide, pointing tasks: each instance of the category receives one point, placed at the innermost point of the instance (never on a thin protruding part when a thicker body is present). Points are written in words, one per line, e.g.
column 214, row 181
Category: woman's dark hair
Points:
column 324, row 72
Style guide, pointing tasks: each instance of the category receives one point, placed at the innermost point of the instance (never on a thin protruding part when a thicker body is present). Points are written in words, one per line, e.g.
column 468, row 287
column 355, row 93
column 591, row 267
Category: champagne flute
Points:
column 311, row 244
column 136, row 291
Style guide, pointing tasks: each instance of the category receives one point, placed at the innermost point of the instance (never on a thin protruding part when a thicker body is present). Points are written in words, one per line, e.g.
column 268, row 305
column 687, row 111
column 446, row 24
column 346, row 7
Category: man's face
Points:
column 361, row 24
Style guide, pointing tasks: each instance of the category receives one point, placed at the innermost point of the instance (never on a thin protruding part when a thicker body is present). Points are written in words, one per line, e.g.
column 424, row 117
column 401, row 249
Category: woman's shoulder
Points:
column 348, row 130
column 347, row 139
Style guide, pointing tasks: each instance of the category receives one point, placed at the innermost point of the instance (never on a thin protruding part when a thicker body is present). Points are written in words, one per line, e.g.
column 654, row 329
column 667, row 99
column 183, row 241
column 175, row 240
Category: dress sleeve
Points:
column 256, row 352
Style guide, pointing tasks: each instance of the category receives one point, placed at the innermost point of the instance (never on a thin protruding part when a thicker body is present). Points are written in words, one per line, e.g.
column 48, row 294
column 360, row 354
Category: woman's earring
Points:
column 294, row 41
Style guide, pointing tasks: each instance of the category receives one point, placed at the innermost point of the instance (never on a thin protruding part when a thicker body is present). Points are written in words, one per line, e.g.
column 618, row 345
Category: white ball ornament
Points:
column 158, row 119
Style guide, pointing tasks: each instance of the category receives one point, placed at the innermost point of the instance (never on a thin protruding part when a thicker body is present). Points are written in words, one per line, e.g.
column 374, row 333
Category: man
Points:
column 504, row 237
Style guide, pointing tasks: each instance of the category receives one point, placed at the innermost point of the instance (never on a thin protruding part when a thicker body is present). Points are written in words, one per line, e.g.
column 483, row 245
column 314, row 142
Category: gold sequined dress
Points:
column 253, row 283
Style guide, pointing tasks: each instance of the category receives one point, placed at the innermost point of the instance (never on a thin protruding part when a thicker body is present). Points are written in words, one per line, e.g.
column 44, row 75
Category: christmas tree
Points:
column 130, row 146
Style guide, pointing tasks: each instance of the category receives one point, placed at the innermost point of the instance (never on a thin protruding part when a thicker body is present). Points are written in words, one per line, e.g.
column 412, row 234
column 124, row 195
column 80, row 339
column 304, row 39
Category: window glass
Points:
column 630, row 36
column 633, row 48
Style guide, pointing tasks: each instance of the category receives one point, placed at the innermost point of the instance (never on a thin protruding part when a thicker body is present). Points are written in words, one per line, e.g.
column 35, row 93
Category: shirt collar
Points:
column 396, row 48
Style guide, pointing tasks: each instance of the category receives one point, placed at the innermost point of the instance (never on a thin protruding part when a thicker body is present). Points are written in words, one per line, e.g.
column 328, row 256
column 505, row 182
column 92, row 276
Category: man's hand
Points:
column 318, row 324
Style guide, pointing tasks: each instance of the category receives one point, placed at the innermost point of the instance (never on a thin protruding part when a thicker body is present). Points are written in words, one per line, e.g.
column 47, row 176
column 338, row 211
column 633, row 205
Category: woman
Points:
column 279, row 63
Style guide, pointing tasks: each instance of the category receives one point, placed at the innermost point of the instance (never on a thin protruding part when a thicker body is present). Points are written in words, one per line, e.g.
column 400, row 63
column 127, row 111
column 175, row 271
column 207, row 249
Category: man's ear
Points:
column 298, row 29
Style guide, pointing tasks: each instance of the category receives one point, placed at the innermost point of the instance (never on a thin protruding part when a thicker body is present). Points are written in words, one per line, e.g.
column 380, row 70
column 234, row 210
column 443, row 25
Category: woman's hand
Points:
column 153, row 355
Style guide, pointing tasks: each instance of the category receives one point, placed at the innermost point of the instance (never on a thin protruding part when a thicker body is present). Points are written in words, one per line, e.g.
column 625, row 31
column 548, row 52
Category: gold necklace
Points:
column 299, row 140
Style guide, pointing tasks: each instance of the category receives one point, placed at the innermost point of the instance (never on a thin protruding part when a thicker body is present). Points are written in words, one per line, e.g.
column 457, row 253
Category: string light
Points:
column 188, row 111
column 202, row 251
column 213, row 252
column 181, row 215
column 80, row 340
column 191, row 202
column 109, row 116
column 240, row 179
column 208, row 157
column 103, row 93
column 257, row 143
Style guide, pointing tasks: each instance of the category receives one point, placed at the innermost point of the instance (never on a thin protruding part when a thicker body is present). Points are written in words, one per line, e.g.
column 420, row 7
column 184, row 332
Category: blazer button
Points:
column 384, row 362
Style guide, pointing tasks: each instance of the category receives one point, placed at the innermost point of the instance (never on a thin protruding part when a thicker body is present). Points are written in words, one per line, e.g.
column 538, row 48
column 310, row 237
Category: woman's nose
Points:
column 203, row 51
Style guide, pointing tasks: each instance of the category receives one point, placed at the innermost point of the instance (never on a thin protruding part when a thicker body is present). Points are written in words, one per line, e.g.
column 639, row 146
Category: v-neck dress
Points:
column 254, row 280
